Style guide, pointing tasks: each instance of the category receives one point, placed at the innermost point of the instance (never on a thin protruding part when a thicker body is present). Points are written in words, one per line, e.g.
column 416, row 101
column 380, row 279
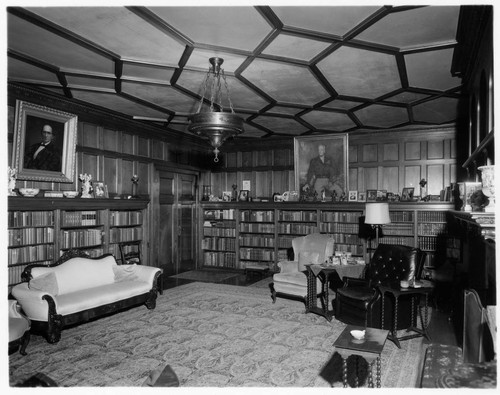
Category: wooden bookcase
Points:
column 41, row 229
column 237, row 234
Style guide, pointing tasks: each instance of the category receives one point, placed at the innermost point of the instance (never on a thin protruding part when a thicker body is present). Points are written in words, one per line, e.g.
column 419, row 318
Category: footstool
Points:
column 19, row 329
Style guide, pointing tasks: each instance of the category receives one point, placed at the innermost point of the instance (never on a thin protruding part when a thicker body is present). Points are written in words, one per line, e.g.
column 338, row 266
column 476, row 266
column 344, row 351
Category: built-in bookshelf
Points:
column 262, row 233
column 219, row 238
column 42, row 229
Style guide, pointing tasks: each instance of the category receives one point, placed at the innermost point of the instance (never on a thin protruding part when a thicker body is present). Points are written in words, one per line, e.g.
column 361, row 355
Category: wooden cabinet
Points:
column 42, row 229
column 237, row 234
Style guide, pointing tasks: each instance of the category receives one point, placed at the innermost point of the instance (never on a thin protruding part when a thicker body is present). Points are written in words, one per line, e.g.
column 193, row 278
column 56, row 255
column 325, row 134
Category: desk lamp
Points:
column 377, row 214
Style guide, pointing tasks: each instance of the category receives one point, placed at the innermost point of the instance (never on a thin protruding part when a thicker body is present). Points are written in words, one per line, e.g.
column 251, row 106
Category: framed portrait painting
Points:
column 321, row 165
column 44, row 143
column 100, row 189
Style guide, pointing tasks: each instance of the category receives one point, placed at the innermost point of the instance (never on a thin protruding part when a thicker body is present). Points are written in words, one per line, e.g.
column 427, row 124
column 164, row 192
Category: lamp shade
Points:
column 377, row 213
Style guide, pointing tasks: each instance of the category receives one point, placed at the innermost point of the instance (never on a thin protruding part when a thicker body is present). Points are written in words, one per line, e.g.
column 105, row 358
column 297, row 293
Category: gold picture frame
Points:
column 30, row 118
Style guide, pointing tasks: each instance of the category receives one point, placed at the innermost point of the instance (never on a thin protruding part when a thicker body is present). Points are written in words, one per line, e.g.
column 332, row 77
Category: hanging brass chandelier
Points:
column 215, row 124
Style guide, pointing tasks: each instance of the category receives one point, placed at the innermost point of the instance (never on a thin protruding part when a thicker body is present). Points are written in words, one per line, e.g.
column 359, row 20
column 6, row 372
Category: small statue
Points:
column 12, row 181
column 135, row 184
column 234, row 195
column 86, row 187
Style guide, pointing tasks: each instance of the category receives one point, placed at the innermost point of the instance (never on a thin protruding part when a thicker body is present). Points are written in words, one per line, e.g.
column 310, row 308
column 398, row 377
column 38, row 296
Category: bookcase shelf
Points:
column 41, row 229
column 262, row 233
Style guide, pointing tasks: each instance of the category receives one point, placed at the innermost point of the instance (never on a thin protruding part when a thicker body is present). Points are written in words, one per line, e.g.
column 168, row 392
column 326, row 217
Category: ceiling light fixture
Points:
column 216, row 124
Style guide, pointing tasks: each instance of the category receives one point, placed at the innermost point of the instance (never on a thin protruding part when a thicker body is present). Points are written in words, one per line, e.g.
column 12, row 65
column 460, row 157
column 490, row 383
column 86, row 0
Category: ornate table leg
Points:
column 378, row 372
column 344, row 372
column 370, row 374
column 311, row 290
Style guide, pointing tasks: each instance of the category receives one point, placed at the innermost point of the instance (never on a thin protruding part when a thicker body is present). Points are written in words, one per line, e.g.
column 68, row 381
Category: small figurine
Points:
column 12, row 181
column 234, row 195
column 86, row 187
column 135, row 183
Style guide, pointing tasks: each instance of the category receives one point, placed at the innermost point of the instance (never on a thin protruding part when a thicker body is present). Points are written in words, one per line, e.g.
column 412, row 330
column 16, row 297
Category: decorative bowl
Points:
column 70, row 194
column 29, row 192
column 358, row 335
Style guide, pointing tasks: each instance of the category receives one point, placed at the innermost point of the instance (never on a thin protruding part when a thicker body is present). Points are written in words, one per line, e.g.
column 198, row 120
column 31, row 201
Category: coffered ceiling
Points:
column 290, row 70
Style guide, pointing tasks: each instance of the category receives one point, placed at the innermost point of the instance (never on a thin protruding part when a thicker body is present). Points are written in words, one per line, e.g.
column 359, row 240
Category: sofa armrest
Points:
column 146, row 273
column 32, row 301
column 288, row 266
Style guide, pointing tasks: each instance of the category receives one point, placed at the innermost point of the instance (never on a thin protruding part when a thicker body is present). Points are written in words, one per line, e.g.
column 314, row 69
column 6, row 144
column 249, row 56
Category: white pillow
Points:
column 307, row 258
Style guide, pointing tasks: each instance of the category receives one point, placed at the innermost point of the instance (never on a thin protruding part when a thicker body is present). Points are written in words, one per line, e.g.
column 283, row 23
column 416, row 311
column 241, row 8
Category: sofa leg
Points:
column 24, row 343
column 54, row 329
column 151, row 300
column 273, row 292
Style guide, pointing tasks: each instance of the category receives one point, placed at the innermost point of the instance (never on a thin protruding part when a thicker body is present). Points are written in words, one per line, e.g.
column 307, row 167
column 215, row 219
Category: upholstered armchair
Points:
column 291, row 281
column 358, row 302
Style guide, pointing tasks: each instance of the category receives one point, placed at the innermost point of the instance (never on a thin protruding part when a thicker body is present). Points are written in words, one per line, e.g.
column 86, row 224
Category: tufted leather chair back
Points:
column 392, row 263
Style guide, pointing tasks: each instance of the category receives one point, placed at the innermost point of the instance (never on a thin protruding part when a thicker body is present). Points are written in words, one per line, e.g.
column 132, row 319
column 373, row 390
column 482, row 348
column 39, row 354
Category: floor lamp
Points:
column 376, row 215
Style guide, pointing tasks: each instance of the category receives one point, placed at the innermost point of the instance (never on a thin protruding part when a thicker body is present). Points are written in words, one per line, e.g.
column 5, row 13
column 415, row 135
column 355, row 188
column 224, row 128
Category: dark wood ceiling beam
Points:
column 368, row 22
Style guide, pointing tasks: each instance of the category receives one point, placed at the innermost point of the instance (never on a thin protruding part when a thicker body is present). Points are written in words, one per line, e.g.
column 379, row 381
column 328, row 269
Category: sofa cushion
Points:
column 45, row 283
column 80, row 273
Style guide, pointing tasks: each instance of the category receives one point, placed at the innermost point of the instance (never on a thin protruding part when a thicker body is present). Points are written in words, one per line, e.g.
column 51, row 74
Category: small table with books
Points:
column 370, row 348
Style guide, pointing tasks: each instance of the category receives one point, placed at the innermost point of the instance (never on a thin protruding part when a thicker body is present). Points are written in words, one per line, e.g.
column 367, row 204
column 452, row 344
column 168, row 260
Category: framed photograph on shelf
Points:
column 44, row 146
column 407, row 194
column 352, row 196
column 243, row 196
column 381, row 195
column 320, row 164
column 371, row 195
column 226, row 196
column 361, row 196
column 100, row 190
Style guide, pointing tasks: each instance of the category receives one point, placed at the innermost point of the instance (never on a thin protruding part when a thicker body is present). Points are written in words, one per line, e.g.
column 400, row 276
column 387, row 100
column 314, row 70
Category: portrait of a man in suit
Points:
column 45, row 154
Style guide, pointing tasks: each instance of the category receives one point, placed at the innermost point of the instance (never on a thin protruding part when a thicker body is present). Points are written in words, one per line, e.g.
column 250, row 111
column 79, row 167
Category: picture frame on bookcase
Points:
column 371, row 195
column 243, row 196
column 352, row 196
column 407, row 194
column 54, row 164
column 226, row 196
column 100, row 190
column 361, row 196
column 320, row 165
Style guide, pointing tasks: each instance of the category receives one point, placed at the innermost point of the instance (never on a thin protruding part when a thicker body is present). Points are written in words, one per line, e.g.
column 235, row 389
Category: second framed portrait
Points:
column 321, row 165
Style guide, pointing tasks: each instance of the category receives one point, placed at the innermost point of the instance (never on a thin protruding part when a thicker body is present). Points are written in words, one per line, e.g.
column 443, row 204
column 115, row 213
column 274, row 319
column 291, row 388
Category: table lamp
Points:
column 376, row 215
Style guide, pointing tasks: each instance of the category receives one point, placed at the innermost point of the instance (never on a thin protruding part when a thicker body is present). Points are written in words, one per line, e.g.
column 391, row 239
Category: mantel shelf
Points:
column 43, row 203
column 482, row 220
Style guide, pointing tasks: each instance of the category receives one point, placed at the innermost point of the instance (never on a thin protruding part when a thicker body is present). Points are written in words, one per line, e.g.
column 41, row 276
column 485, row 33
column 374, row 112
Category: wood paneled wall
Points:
column 377, row 160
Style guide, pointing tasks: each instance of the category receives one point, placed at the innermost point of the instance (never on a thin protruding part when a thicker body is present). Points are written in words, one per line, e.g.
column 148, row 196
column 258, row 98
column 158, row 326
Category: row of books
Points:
column 339, row 227
column 30, row 218
column 345, row 238
column 340, row 216
column 355, row 249
column 311, row 216
column 431, row 216
column 36, row 253
column 218, row 243
column 124, row 218
column 401, row 228
column 257, row 254
column 404, row 241
column 257, row 216
column 25, row 236
column 225, row 223
column 296, row 228
column 125, row 234
column 219, row 259
column 427, row 242
column 252, row 241
column 81, row 218
column 219, row 214
column 224, row 232
column 401, row 216
column 285, row 241
column 431, row 229
column 81, row 238
column 257, row 227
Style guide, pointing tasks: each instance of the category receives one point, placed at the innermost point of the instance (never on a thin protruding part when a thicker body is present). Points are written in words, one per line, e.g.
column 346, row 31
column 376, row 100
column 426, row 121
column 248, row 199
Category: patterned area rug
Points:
column 212, row 335
column 207, row 276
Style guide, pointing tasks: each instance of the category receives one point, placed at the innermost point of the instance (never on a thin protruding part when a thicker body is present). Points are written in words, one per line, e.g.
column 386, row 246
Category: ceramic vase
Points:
column 488, row 184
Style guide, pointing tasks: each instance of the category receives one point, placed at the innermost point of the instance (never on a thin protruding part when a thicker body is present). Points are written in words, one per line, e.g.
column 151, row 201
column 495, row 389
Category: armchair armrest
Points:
column 354, row 282
column 288, row 266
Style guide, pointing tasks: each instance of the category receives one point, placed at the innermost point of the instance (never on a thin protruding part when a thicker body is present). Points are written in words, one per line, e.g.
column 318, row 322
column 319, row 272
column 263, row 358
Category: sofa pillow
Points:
column 45, row 283
column 307, row 258
column 124, row 273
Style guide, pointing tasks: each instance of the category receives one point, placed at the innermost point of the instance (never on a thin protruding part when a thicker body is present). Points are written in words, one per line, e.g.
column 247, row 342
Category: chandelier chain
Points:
column 205, row 85
column 227, row 90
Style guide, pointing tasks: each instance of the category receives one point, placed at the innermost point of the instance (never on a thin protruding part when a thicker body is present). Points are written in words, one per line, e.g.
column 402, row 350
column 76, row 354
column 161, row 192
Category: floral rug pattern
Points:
column 212, row 335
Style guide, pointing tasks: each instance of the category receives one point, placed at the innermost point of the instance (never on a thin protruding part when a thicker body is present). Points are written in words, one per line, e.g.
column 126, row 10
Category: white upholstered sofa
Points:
column 78, row 288
column 291, row 281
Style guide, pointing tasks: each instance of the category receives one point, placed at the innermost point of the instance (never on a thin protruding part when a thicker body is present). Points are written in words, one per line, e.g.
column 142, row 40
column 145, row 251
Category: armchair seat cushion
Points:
column 297, row 278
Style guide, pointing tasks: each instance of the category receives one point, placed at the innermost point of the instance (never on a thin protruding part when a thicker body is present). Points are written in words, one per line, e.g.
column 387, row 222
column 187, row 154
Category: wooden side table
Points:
column 323, row 273
column 369, row 348
column 414, row 294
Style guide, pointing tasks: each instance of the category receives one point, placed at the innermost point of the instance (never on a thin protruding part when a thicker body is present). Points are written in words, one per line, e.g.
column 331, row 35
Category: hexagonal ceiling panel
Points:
column 286, row 67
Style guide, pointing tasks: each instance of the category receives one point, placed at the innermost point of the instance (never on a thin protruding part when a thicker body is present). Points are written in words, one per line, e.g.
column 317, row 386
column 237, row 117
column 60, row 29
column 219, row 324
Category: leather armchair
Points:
column 291, row 281
column 358, row 301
